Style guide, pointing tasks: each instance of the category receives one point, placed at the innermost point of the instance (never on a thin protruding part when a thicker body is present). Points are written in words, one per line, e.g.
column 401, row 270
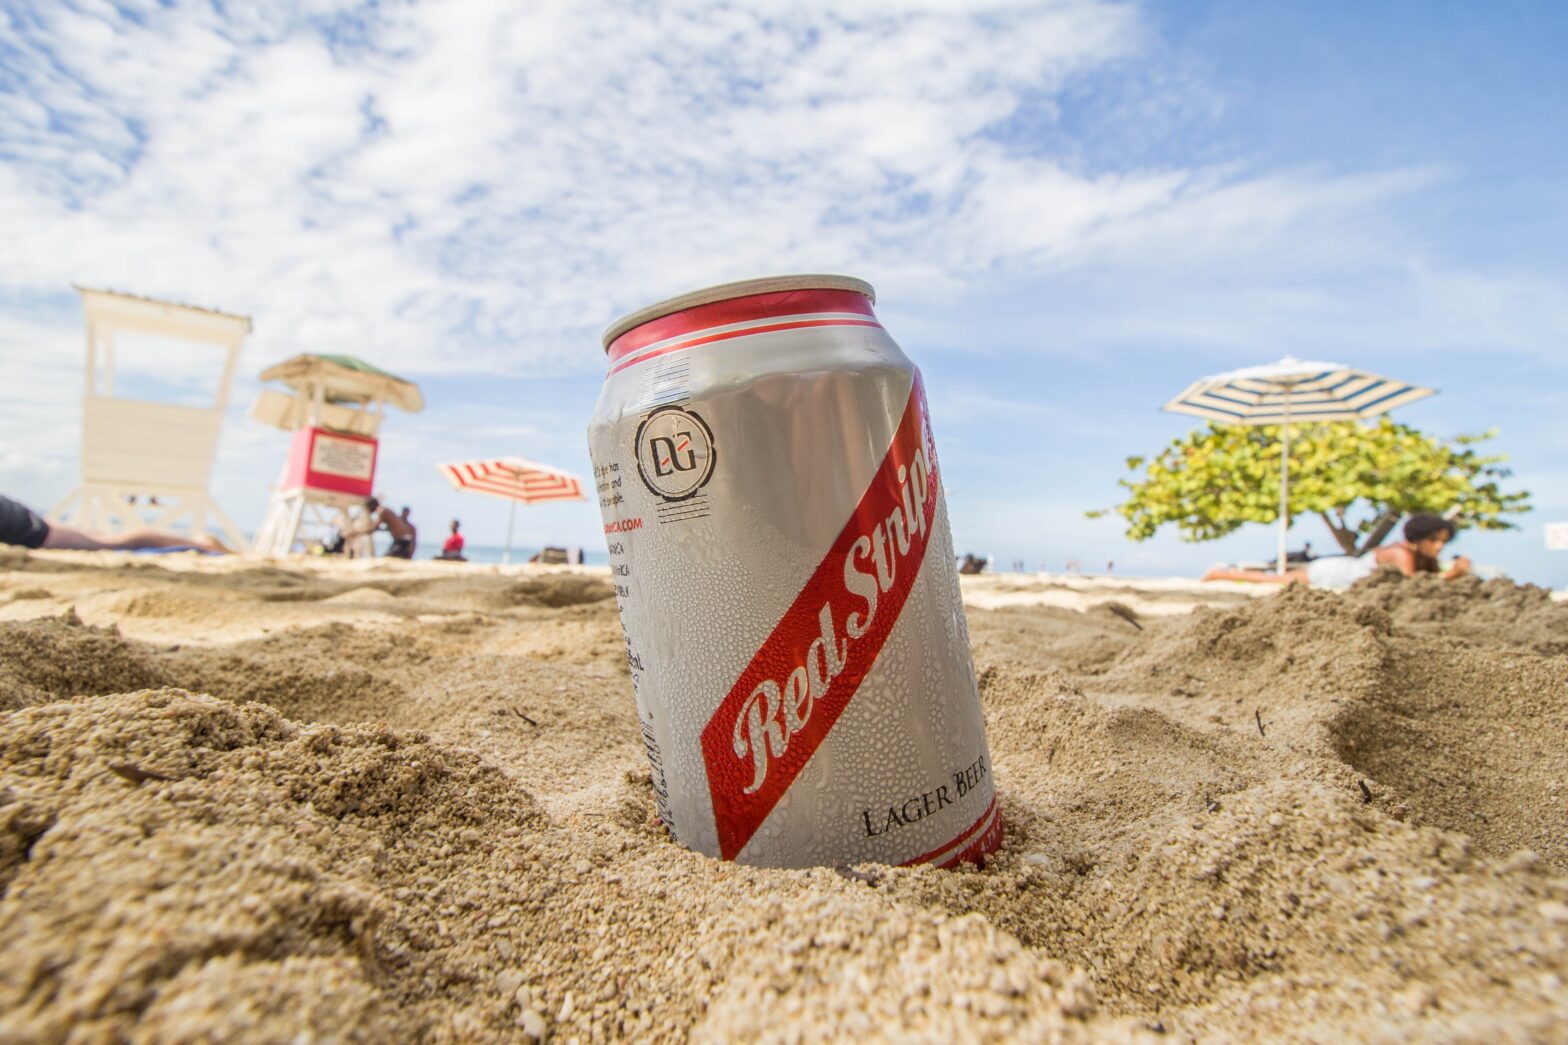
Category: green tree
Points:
column 1359, row 478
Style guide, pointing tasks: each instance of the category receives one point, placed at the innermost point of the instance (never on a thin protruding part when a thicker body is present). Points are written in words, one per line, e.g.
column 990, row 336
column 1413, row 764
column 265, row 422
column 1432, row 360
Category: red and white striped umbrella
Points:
column 515, row 480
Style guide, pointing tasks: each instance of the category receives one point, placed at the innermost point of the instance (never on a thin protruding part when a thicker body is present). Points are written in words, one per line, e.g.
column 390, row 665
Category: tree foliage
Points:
column 1359, row 478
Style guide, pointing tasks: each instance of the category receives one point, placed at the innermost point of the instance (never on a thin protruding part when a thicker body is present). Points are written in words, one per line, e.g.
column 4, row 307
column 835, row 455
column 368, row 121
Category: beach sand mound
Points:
column 1048, row 637
column 166, row 853
column 1461, row 734
column 1303, row 817
column 1494, row 612
column 192, row 600
column 53, row 658
column 329, row 673
column 1469, row 739
column 561, row 589
column 827, row 966
column 1214, row 884
column 1298, row 647
column 277, row 846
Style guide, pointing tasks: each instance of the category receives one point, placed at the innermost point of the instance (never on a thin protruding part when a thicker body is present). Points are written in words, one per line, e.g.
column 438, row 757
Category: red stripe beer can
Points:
column 782, row 562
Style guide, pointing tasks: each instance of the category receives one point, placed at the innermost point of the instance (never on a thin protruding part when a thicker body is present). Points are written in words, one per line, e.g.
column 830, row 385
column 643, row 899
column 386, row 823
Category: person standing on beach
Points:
column 1425, row 537
column 378, row 516
column 413, row 531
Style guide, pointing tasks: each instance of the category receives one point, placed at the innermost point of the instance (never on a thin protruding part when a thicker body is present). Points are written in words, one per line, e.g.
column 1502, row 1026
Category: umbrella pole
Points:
column 1284, row 482
column 511, row 516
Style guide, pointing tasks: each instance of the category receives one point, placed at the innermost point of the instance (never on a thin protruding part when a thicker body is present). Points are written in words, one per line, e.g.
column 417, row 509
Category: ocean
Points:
column 492, row 553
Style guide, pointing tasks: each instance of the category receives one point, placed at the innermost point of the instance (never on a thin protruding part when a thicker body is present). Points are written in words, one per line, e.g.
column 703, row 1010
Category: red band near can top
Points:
column 798, row 301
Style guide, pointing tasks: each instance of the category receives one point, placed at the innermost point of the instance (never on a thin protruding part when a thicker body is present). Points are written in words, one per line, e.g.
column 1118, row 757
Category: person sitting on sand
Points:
column 452, row 550
column 1425, row 537
column 378, row 516
column 20, row 525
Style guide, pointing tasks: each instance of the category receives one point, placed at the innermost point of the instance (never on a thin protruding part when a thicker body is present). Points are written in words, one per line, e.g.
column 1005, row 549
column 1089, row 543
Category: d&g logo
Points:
column 674, row 453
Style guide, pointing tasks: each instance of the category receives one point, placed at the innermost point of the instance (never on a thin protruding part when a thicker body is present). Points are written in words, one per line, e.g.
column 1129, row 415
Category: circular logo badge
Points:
column 674, row 453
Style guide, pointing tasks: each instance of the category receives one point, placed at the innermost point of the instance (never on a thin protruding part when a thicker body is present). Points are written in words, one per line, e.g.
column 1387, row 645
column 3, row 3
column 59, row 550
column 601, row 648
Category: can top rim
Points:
column 738, row 289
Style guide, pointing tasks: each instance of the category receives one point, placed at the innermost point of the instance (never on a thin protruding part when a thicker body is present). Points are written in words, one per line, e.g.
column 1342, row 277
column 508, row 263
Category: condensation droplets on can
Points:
column 784, row 570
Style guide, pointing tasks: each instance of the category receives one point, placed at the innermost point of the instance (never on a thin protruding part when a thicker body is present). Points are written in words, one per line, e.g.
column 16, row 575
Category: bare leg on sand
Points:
column 20, row 525
column 69, row 538
column 1226, row 573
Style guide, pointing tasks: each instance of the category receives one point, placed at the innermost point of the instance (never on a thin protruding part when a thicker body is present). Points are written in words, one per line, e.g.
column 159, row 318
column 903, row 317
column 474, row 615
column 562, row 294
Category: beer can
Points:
column 782, row 562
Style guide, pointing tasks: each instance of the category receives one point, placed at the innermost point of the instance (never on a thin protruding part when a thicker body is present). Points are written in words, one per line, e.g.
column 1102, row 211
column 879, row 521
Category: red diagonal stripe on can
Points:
column 781, row 708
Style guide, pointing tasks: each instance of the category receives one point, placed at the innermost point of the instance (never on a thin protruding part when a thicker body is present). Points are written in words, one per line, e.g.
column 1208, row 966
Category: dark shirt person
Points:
column 413, row 532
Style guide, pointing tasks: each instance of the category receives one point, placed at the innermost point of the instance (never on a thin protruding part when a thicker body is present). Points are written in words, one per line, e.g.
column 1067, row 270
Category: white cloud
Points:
column 483, row 185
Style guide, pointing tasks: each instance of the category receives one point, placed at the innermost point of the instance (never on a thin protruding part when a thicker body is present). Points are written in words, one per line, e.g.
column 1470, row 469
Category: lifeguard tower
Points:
column 334, row 407
column 143, row 455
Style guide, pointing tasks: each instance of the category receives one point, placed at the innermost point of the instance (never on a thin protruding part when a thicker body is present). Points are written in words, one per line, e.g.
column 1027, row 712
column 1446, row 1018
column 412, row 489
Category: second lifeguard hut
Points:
column 334, row 407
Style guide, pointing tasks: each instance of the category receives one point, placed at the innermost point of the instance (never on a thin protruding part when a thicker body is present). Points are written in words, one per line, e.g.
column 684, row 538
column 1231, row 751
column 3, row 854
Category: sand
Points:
column 407, row 802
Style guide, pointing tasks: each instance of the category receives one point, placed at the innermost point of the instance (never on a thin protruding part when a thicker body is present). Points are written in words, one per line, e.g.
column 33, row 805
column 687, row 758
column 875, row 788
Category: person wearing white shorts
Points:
column 1340, row 571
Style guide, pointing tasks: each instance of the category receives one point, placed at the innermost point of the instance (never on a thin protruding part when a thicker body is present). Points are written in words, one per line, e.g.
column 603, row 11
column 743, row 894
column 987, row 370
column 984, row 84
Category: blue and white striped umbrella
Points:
column 1293, row 390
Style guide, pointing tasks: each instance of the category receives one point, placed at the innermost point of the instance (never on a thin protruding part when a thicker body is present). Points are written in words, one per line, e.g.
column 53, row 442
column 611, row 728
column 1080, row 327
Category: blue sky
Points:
column 1069, row 211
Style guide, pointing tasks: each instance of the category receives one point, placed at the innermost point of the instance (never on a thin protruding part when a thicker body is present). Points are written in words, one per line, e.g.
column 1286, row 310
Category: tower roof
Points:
column 347, row 379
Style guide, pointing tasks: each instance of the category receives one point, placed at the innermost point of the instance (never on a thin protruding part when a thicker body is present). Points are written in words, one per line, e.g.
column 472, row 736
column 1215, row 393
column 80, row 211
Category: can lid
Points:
column 741, row 289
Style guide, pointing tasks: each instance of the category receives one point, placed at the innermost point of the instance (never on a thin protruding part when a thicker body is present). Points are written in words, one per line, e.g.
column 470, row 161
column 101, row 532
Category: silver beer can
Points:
column 784, row 571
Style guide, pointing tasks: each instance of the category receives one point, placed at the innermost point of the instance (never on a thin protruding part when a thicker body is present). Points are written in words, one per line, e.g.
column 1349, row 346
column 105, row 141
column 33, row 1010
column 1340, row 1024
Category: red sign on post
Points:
column 334, row 461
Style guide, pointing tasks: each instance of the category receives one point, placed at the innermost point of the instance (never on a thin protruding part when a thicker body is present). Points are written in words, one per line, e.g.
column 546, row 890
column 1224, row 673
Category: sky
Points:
column 1069, row 211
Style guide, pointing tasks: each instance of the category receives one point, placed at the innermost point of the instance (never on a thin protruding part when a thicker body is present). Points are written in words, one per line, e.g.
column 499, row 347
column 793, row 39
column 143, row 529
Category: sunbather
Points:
column 22, row 526
column 1425, row 537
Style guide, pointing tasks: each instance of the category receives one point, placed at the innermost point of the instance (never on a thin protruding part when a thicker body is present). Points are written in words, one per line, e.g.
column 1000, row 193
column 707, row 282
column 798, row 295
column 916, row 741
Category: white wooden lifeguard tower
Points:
column 335, row 407
column 143, row 454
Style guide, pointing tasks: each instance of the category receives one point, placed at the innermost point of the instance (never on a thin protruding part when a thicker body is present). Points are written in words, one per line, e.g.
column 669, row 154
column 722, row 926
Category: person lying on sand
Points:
column 1425, row 537
column 20, row 525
